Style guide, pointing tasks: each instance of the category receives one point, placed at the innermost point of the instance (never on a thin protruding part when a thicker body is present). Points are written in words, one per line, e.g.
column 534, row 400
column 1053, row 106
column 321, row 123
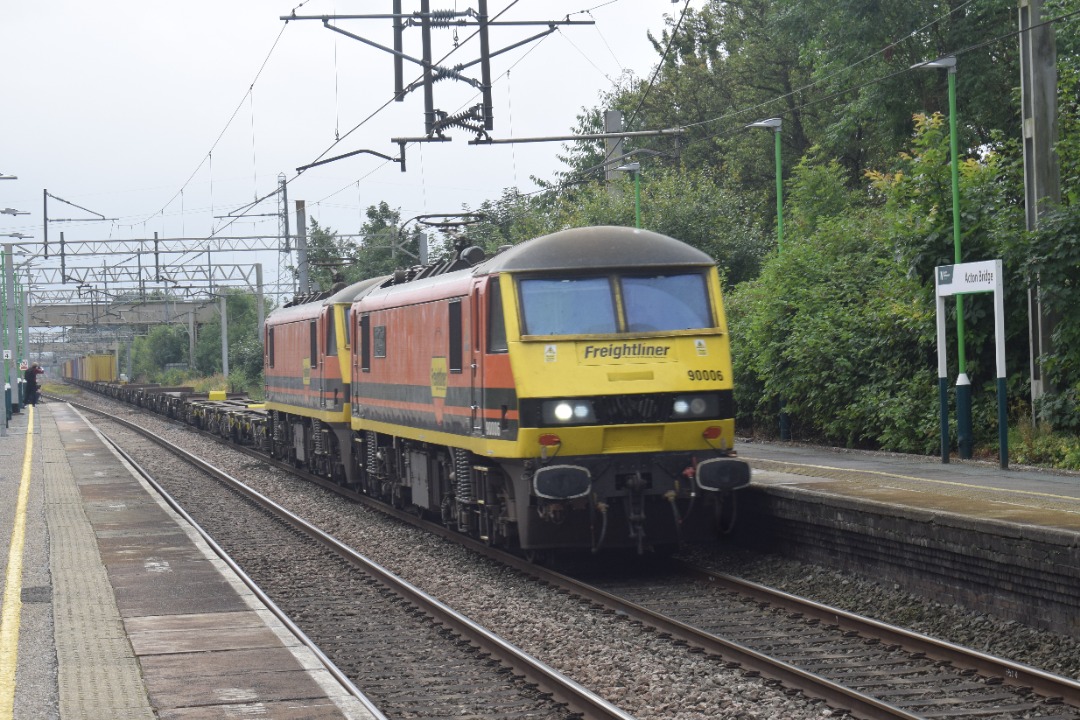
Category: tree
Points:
column 245, row 349
column 836, row 72
column 513, row 218
column 163, row 345
column 384, row 245
column 687, row 205
column 835, row 328
column 328, row 256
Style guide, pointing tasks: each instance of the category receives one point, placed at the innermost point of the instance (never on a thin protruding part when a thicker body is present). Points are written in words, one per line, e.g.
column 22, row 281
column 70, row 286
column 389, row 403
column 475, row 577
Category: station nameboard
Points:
column 973, row 277
column 963, row 279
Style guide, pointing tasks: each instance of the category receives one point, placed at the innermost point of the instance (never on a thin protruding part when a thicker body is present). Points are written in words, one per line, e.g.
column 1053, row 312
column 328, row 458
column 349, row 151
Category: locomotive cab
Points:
column 621, row 364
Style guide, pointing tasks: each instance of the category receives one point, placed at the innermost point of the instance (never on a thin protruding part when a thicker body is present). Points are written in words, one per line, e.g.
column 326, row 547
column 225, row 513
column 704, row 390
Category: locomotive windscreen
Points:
column 586, row 305
column 666, row 302
column 568, row 306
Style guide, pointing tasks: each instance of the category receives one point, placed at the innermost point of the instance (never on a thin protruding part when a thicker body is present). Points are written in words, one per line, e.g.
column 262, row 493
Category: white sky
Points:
column 113, row 106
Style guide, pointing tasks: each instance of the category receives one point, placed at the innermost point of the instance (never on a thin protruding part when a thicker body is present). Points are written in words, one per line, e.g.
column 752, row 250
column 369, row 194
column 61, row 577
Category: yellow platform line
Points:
column 898, row 476
column 10, row 619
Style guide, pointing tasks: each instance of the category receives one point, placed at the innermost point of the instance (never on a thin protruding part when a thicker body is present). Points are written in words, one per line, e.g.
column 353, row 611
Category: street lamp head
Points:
column 772, row 124
column 948, row 62
column 630, row 167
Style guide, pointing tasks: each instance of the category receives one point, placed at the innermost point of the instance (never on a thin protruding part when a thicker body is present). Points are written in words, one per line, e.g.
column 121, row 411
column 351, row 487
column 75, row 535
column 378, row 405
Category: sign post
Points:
column 963, row 279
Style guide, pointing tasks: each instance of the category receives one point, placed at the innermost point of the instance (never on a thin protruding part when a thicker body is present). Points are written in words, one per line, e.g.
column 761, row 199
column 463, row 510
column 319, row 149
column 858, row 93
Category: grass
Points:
column 58, row 389
column 1041, row 446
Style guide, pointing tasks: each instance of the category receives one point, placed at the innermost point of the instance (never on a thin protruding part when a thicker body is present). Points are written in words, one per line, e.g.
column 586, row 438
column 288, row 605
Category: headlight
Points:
column 568, row 412
column 685, row 407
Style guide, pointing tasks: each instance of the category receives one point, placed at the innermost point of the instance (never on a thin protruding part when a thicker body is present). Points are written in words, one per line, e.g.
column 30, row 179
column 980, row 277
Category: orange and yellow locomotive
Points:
column 573, row 391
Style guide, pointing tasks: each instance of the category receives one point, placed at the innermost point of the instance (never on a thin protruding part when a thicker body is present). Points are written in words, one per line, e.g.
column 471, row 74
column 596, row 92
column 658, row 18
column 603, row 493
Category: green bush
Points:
column 1039, row 445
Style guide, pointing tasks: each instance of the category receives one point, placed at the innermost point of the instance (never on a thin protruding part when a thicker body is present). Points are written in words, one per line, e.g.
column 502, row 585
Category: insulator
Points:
column 461, row 120
column 440, row 72
column 442, row 18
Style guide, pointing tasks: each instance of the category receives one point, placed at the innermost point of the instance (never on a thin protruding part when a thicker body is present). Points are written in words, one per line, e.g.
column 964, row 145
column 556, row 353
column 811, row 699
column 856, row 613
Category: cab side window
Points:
column 365, row 343
column 454, row 357
column 496, row 327
column 331, row 334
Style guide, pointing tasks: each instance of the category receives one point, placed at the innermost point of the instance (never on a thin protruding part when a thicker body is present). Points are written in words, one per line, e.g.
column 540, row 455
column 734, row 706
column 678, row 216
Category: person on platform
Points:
column 31, row 378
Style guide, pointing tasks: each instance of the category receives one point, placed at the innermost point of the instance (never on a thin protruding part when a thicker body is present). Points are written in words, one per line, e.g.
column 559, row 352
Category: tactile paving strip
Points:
column 99, row 676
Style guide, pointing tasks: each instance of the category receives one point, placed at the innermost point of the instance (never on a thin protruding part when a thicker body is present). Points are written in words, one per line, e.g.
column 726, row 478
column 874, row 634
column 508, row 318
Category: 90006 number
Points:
column 713, row 375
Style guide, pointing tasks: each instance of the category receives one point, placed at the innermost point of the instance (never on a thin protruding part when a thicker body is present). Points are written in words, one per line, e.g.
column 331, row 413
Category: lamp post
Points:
column 775, row 124
column 635, row 167
column 963, row 384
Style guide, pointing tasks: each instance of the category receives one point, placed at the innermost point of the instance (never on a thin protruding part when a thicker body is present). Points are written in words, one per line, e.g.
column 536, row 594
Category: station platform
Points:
column 967, row 533
column 982, row 491
column 114, row 607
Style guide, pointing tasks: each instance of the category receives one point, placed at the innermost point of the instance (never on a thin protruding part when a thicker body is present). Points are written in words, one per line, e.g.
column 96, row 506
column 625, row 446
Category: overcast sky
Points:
column 140, row 110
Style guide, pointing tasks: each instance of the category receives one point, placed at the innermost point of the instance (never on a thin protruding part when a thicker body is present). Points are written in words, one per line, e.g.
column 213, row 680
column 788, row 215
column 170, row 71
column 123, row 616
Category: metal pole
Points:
column 637, row 199
column 26, row 322
column 261, row 307
column 785, row 421
column 776, row 124
column 485, row 64
column 943, row 372
column 399, row 45
column 191, row 337
column 224, row 337
column 429, row 97
column 12, row 342
column 999, row 356
column 45, row 220
column 779, row 194
column 1042, row 183
column 284, row 209
column 613, row 147
column 963, row 384
column 301, row 248
column 3, row 361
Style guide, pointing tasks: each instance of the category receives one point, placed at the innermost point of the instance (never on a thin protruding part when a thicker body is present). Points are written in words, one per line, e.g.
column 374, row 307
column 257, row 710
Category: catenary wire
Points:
column 228, row 123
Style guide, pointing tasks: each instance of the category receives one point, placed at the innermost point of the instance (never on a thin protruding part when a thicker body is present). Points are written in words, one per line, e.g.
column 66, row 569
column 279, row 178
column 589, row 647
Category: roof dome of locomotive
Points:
column 595, row 247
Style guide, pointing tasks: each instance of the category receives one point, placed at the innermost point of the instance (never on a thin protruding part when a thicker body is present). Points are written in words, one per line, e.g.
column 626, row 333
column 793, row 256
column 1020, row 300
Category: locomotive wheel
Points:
column 447, row 511
column 539, row 557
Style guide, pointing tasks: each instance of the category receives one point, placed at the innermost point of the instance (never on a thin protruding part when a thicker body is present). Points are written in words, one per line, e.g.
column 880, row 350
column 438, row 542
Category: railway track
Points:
column 854, row 664
column 412, row 655
column 881, row 670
